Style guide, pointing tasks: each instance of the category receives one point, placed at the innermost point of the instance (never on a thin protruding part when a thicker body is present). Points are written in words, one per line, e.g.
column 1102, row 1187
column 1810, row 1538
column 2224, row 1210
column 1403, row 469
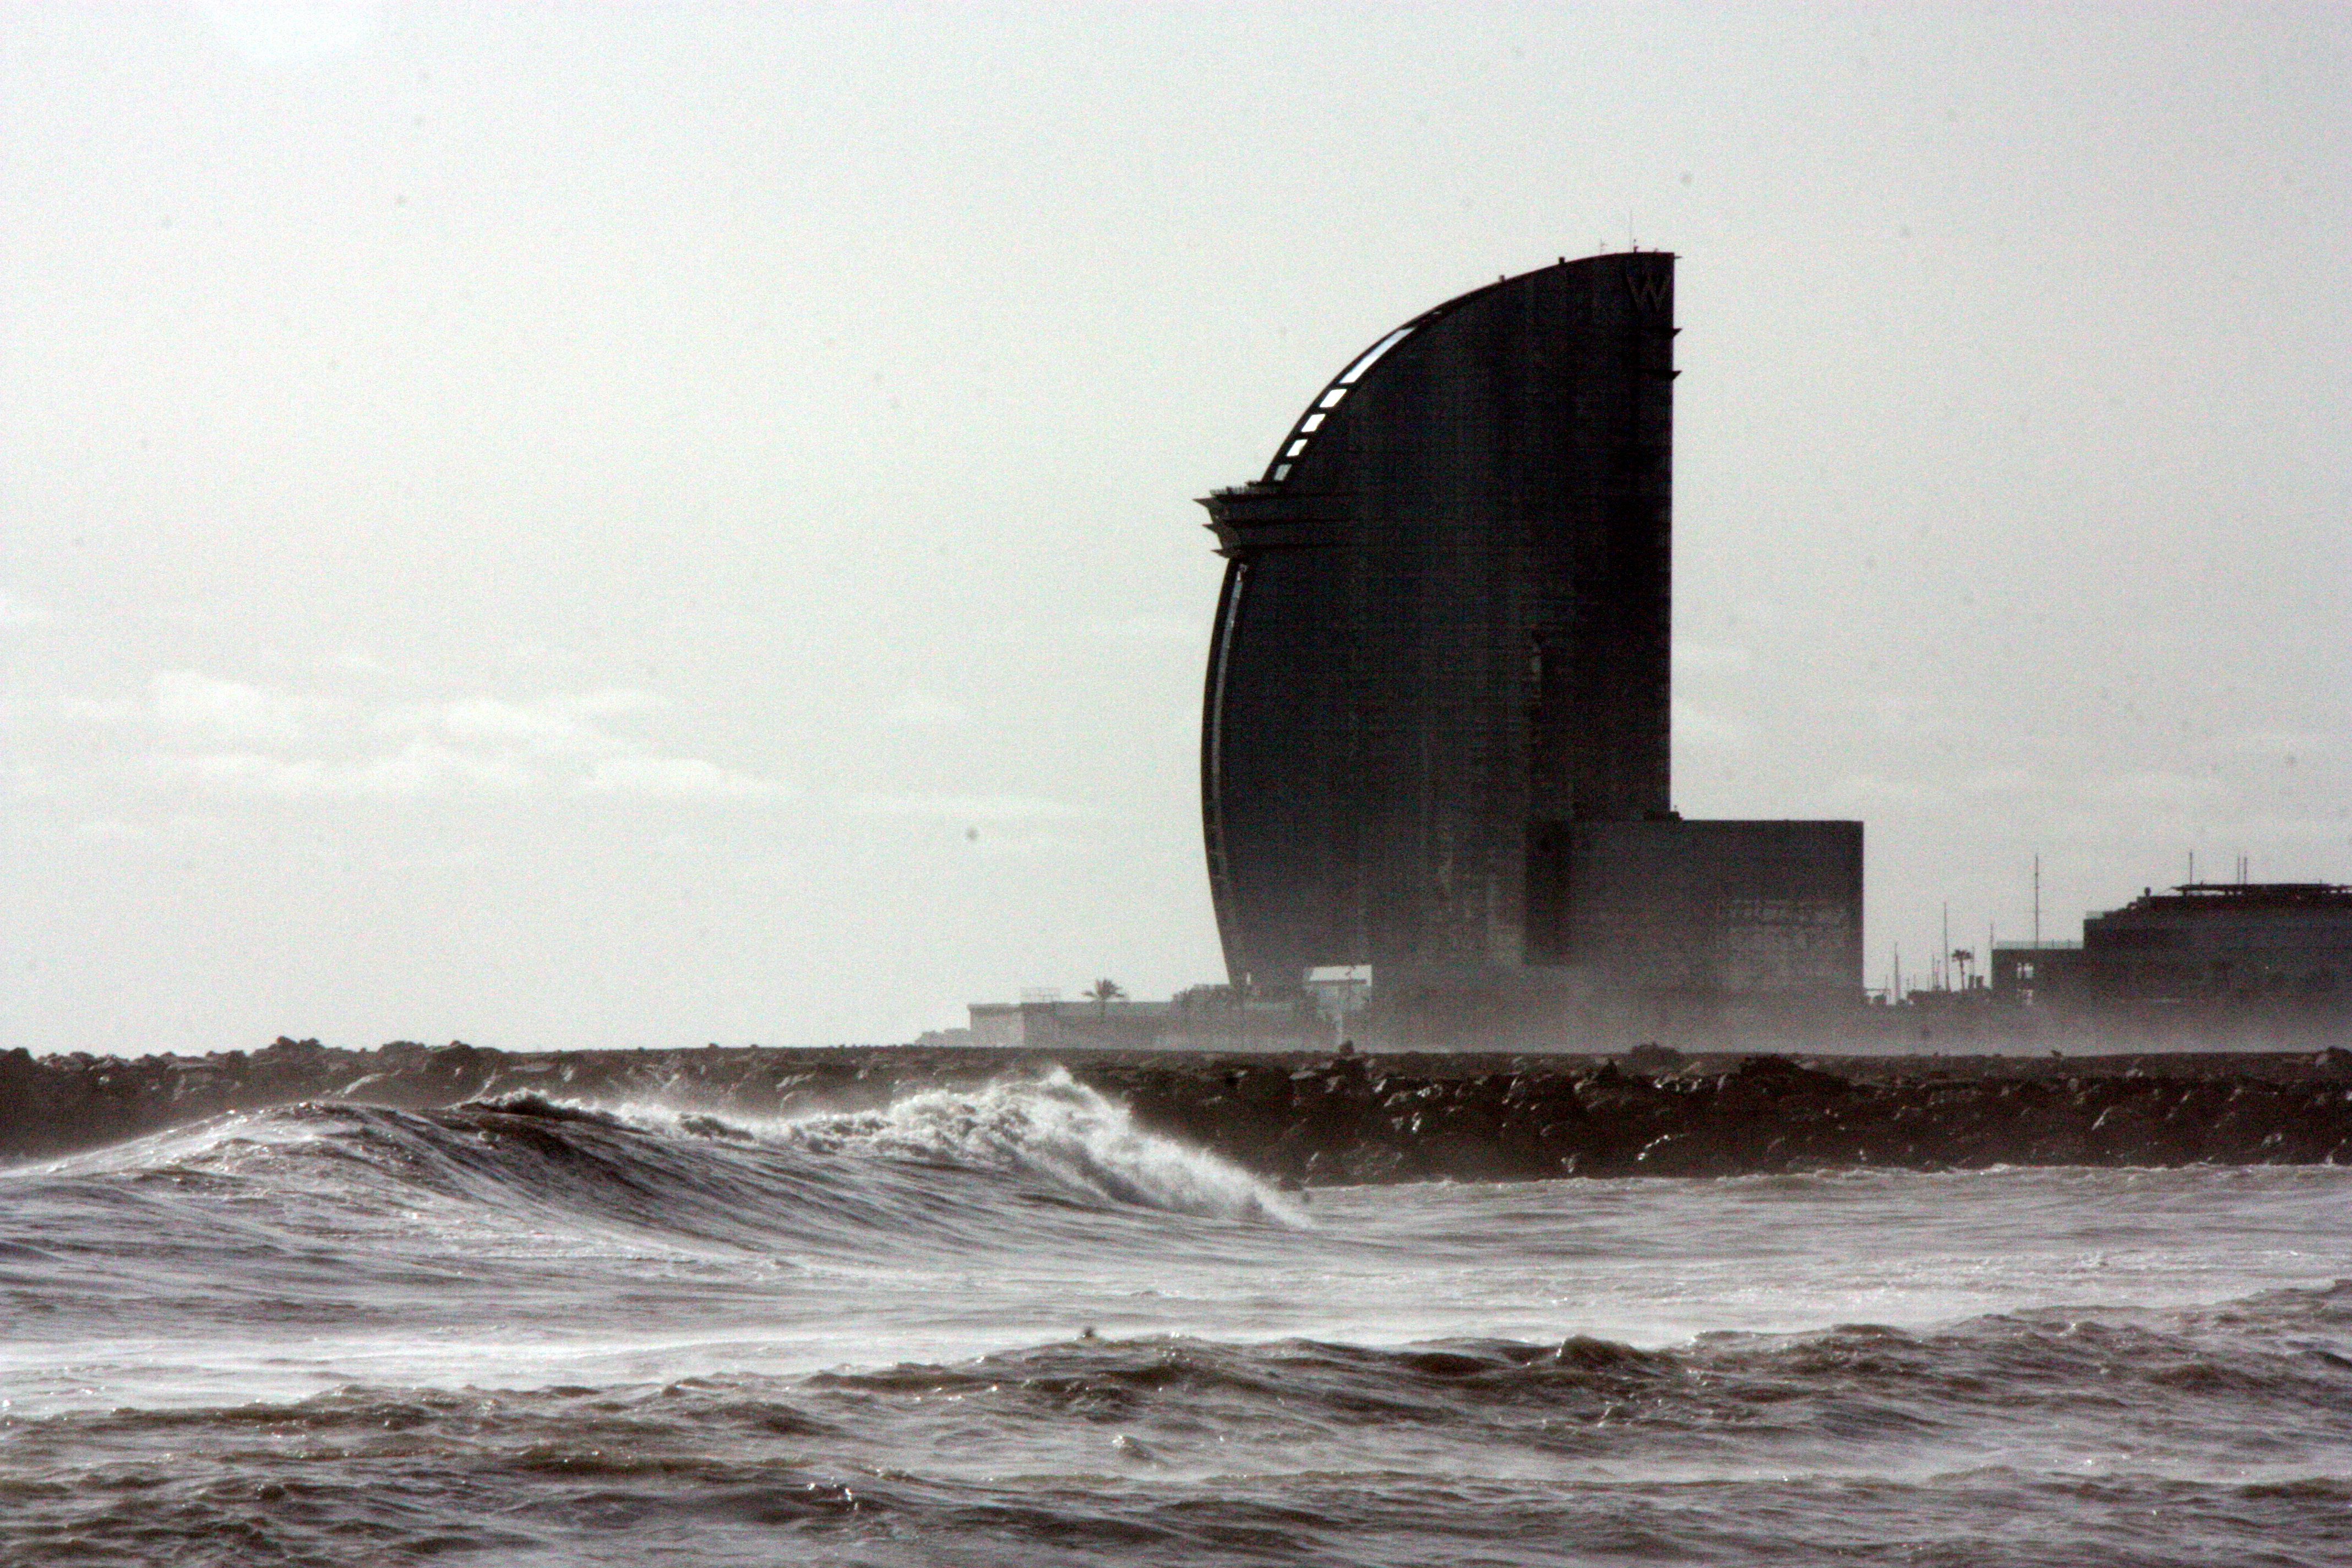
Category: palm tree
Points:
column 1103, row 992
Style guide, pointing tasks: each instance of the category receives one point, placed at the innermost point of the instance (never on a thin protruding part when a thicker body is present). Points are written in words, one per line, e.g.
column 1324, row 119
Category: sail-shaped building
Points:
column 1436, row 731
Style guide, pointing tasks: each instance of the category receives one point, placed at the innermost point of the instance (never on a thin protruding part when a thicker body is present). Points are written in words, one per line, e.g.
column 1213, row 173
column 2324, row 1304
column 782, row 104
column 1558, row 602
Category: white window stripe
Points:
column 1331, row 399
column 1378, row 349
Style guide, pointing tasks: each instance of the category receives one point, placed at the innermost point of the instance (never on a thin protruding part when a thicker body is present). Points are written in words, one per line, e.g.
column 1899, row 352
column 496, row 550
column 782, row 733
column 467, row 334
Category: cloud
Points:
column 1999, row 781
column 228, row 711
column 2151, row 789
column 1187, row 630
column 461, row 857
column 1708, row 658
column 548, row 725
column 1895, row 793
column 2284, row 742
column 229, row 738
column 611, row 700
column 1907, row 718
column 277, row 33
column 541, row 726
column 1709, row 731
column 921, row 711
column 675, row 778
column 965, row 808
column 422, row 768
column 102, row 709
column 15, row 613
column 1042, row 844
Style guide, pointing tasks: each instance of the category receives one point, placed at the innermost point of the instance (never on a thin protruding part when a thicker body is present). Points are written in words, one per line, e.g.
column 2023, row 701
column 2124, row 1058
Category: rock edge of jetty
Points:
column 1325, row 1118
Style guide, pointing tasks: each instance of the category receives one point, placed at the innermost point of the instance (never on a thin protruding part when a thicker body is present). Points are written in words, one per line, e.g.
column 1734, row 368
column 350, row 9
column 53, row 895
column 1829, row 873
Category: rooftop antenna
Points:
column 2192, row 868
column 2037, row 900
column 1946, row 984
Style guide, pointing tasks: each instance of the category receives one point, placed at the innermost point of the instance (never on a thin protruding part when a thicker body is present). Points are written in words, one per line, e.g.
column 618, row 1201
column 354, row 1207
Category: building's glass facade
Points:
column 1444, row 634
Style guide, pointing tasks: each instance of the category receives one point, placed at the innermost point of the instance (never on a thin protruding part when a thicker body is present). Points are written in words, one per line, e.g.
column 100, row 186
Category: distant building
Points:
column 2280, row 944
column 1053, row 1025
column 1435, row 739
column 1206, row 1018
column 2027, row 971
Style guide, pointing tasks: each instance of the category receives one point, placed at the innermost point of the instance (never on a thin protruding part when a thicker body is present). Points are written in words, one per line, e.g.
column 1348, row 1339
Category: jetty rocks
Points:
column 1354, row 1120
column 1324, row 1119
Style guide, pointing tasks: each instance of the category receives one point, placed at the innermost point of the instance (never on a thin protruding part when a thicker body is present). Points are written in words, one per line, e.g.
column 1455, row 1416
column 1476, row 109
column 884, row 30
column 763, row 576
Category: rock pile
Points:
column 1348, row 1120
column 1327, row 1120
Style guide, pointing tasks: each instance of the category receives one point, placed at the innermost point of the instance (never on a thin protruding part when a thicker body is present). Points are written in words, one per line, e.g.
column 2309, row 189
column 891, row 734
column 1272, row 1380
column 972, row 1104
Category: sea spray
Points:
column 1047, row 1130
column 1053, row 1130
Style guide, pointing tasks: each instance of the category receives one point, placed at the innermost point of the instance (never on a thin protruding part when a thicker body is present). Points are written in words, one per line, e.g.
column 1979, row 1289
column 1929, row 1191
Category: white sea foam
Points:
column 1051, row 1129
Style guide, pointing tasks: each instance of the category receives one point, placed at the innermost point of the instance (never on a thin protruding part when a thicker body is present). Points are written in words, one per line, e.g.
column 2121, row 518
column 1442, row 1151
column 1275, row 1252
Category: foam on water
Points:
column 551, row 1332
column 659, row 1165
column 1051, row 1129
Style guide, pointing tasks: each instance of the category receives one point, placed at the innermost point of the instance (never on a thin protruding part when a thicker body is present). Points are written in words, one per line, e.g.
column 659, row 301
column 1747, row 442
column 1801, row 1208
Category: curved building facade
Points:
column 1441, row 656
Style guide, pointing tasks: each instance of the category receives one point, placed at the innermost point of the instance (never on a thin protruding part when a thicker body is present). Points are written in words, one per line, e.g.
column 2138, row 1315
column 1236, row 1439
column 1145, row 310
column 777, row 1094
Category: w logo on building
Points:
column 1652, row 289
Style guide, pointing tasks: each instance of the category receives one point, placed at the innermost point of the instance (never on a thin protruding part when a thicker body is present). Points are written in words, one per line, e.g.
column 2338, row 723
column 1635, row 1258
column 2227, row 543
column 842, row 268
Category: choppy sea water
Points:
column 1008, row 1327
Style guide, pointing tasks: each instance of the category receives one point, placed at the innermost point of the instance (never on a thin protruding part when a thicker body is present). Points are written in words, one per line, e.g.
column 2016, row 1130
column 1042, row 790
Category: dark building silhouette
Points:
column 2208, row 942
column 1436, row 728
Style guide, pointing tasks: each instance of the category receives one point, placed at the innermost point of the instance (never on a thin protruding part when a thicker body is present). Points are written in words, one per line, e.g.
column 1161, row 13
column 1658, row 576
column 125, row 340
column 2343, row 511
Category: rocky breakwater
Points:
column 1351, row 1120
column 1323, row 1119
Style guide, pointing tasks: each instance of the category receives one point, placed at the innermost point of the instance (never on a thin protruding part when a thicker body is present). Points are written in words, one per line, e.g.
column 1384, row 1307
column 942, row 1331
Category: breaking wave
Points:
column 1053, row 1131
column 955, row 1166
column 1008, row 1324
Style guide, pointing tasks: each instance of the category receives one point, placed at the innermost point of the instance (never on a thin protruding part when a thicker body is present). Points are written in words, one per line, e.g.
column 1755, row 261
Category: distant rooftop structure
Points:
column 2218, row 896
column 2284, row 943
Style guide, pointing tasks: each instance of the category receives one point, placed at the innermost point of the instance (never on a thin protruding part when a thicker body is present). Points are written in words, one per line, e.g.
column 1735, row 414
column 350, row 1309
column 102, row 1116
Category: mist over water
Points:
column 1007, row 1324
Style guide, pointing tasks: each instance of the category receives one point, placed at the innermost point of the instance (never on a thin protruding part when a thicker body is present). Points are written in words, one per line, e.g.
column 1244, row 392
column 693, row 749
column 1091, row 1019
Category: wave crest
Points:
column 1050, row 1132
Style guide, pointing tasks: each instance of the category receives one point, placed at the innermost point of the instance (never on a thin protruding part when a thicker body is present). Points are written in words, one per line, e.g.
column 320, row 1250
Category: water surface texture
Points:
column 1008, row 1326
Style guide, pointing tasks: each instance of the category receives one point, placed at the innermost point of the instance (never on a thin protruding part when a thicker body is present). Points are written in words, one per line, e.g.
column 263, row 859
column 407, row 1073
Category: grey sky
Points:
column 636, row 527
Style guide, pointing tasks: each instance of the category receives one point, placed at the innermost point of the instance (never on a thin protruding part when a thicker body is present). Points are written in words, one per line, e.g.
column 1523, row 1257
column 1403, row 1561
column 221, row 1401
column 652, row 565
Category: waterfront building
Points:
column 1202, row 1018
column 1436, row 734
column 2201, row 942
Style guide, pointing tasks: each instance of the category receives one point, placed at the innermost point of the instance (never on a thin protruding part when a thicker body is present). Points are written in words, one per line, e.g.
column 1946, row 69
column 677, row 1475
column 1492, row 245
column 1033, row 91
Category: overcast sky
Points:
column 611, row 526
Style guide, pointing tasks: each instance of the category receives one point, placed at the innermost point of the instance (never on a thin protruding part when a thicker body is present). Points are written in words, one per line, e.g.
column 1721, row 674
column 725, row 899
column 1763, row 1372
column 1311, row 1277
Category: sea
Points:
column 1009, row 1326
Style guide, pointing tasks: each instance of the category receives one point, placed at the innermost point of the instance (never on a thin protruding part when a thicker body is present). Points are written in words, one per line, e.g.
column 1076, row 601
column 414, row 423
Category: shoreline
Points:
column 1317, row 1119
